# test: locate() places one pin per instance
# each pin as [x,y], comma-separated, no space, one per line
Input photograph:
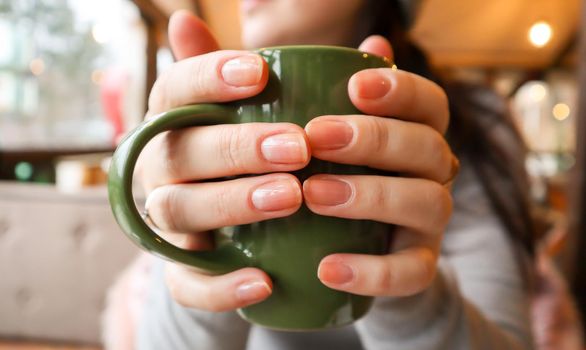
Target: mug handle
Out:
[224,258]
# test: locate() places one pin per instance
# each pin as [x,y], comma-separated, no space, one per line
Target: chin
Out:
[254,37]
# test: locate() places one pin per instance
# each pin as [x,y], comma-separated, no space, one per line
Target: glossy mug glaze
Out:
[304,82]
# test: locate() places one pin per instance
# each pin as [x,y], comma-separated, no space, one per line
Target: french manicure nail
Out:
[253,291]
[373,86]
[277,195]
[242,71]
[335,273]
[329,134]
[327,191]
[284,148]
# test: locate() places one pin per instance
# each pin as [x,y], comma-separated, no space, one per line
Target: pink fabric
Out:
[124,304]
[556,324]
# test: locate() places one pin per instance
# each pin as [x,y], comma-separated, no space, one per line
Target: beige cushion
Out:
[58,255]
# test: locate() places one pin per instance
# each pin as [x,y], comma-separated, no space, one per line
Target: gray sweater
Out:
[479,300]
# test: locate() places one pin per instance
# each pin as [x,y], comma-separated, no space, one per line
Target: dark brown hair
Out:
[481,131]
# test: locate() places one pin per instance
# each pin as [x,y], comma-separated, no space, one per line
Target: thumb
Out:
[377,45]
[190,36]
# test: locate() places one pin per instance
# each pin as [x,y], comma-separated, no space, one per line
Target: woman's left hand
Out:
[402,132]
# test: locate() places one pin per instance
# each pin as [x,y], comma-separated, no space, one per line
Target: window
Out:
[71,74]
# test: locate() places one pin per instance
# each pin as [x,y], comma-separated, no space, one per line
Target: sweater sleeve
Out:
[167,325]
[479,298]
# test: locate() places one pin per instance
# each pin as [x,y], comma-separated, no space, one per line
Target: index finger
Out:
[218,76]
[400,94]
[189,36]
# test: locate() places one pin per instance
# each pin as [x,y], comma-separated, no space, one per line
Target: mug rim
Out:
[321,48]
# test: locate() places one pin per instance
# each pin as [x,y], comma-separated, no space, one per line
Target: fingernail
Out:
[335,273]
[250,292]
[242,71]
[329,134]
[277,195]
[372,85]
[327,191]
[284,148]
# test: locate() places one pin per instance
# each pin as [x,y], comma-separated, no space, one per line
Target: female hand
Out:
[178,157]
[171,164]
[402,131]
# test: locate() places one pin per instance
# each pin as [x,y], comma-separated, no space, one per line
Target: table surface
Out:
[21,345]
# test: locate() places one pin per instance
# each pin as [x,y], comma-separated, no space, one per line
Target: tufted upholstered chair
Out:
[58,255]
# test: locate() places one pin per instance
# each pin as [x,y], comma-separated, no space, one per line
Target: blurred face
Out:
[290,22]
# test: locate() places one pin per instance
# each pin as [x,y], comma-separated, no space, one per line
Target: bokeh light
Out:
[540,34]
[23,171]
[561,111]
[37,66]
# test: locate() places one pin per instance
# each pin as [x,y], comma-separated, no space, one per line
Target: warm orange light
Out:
[561,111]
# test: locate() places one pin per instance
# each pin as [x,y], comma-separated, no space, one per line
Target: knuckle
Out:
[232,146]
[169,146]
[385,280]
[223,204]
[438,148]
[422,272]
[427,268]
[436,141]
[380,196]
[378,134]
[167,215]
[440,201]
[201,84]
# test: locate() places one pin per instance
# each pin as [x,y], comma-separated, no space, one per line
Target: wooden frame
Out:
[156,22]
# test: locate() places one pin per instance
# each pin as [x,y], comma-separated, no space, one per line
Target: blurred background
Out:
[74,77]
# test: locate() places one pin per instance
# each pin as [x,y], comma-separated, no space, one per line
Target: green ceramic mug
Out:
[304,82]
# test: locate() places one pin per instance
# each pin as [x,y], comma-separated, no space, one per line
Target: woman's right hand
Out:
[173,163]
